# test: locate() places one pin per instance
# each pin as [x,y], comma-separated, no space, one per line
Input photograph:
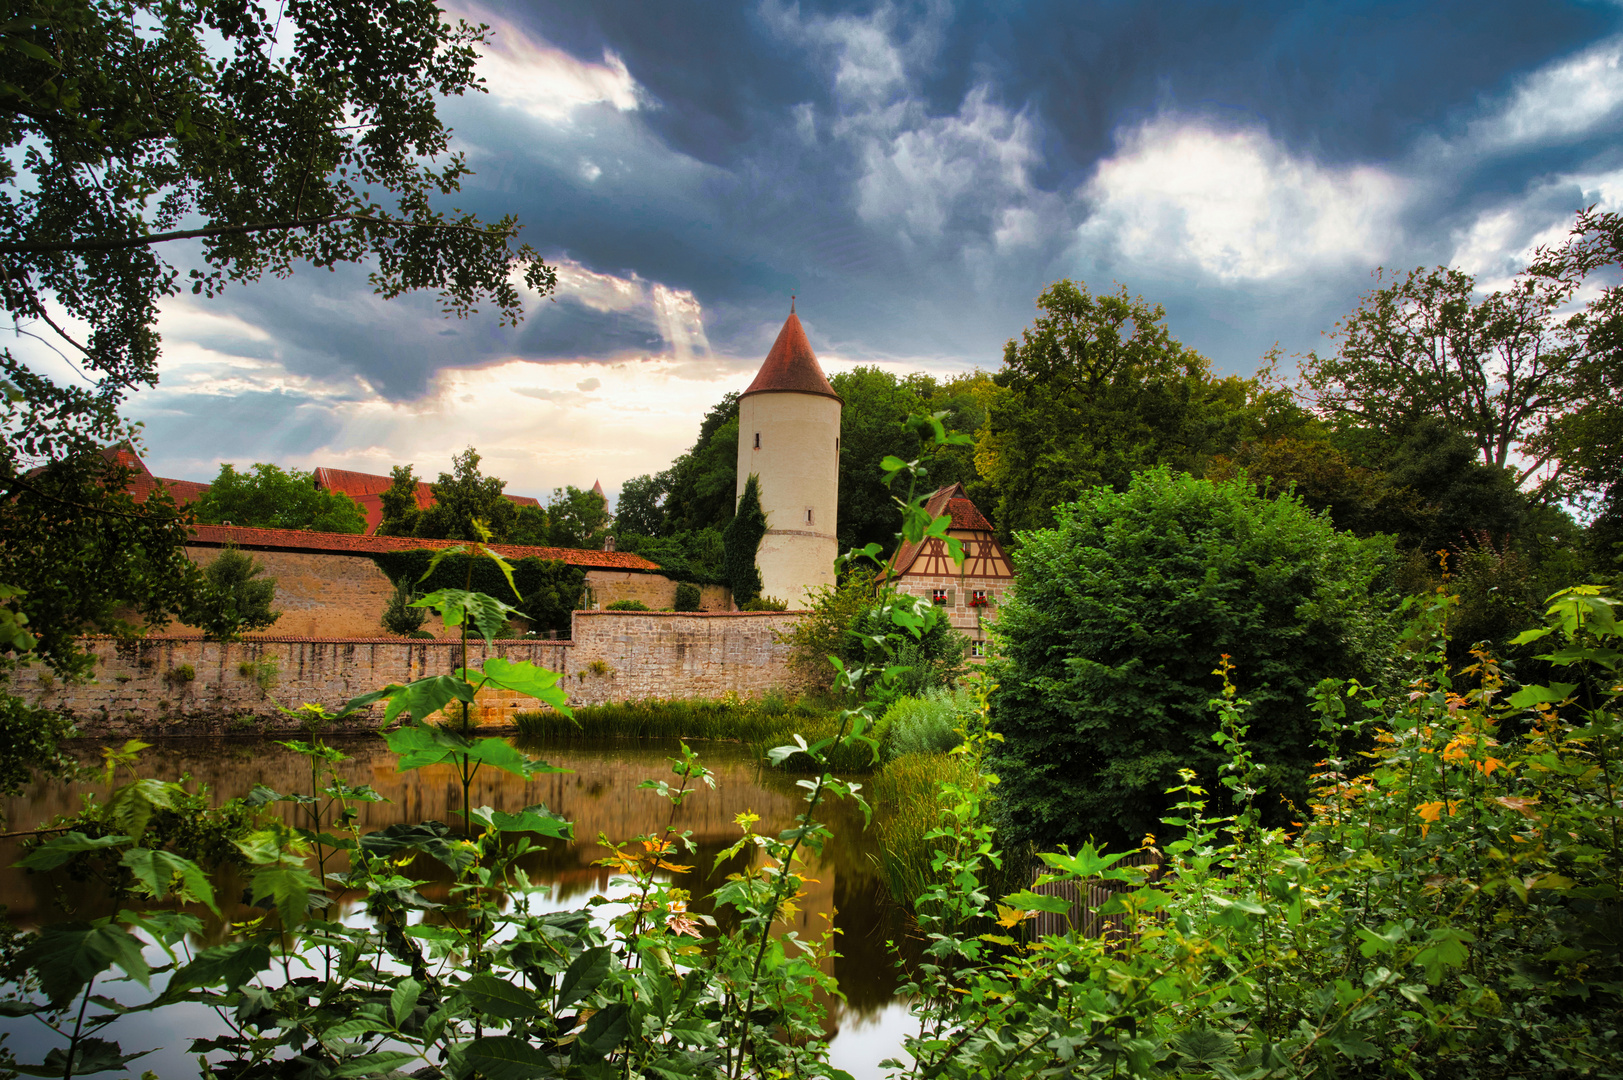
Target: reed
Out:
[771,719]
[907,807]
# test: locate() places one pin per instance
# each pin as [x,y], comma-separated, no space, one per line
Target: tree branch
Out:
[124,243]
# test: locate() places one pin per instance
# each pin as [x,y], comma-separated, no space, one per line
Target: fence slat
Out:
[1086,898]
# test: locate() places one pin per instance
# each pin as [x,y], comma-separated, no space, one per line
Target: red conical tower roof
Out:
[791,365]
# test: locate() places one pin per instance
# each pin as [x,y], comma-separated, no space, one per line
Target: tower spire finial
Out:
[791,303]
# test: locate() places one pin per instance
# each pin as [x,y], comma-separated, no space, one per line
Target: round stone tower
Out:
[789,436]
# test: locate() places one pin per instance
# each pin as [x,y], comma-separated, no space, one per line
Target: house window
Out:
[977,598]
[977,649]
[757,440]
[938,596]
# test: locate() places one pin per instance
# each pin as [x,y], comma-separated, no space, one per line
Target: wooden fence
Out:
[1086,898]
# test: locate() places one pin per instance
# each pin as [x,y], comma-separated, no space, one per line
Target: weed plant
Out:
[928,724]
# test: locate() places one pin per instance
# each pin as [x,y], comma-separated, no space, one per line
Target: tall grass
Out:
[771,719]
[906,808]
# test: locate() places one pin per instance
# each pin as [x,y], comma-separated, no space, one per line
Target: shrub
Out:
[927,724]
[1110,640]
[765,603]
[742,539]
[628,605]
[180,675]
[399,617]
[687,597]
[934,660]
[232,598]
[821,634]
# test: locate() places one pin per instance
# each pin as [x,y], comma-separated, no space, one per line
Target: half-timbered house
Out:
[971,592]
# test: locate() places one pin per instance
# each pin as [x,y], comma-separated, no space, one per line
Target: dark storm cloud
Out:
[918,173]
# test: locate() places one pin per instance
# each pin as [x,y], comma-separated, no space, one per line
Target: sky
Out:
[916,174]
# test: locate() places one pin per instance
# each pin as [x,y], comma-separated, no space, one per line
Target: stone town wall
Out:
[187,686]
[328,595]
[655,590]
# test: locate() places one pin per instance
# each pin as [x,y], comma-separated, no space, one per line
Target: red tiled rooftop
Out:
[952,501]
[351,544]
[367,490]
[965,515]
[791,365]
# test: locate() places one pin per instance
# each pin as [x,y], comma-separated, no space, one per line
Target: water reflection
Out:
[600,795]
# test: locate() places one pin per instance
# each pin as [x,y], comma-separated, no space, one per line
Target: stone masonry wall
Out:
[187,686]
[330,596]
[655,590]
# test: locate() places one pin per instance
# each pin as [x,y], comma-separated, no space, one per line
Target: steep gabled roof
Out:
[952,501]
[791,366]
[352,544]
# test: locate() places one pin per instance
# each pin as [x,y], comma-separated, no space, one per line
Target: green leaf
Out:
[1089,862]
[606,1030]
[375,1063]
[89,1055]
[157,870]
[536,819]
[404,999]
[53,853]
[224,965]
[487,613]
[504,1057]
[132,805]
[522,677]
[288,888]
[1528,696]
[423,698]
[1446,947]
[583,976]
[497,997]
[432,838]
[1031,901]
[66,956]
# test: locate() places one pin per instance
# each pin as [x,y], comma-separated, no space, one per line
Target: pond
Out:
[599,795]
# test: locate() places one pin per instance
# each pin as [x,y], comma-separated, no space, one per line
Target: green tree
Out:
[702,484]
[872,426]
[1097,389]
[1500,369]
[1122,612]
[743,539]
[400,510]
[577,519]
[464,495]
[235,598]
[399,616]
[640,507]
[269,498]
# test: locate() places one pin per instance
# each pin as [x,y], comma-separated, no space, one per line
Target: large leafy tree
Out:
[872,427]
[577,518]
[1124,609]
[701,486]
[1096,389]
[268,497]
[1499,368]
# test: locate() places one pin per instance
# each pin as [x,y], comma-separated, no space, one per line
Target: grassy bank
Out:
[769,720]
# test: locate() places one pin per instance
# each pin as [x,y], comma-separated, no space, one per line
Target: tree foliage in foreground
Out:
[1108,645]
[270,498]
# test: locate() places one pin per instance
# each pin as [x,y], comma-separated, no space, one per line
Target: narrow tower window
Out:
[757,440]
[808,515]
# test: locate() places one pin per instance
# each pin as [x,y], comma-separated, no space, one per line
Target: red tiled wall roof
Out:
[351,544]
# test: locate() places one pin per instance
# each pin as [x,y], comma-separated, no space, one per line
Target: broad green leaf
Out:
[522,677]
[132,805]
[1555,693]
[1031,901]
[404,999]
[425,697]
[157,870]
[1089,862]
[497,997]
[89,1055]
[583,976]
[54,852]
[455,606]
[606,1030]
[536,819]
[224,965]
[376,1063]
[504,1057]
[288,888]
[432,838]
[66,956]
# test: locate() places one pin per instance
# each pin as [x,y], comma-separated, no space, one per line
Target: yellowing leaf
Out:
[1009,918]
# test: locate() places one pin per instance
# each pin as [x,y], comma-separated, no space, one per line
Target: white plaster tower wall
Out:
[789,436]
[799,466]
